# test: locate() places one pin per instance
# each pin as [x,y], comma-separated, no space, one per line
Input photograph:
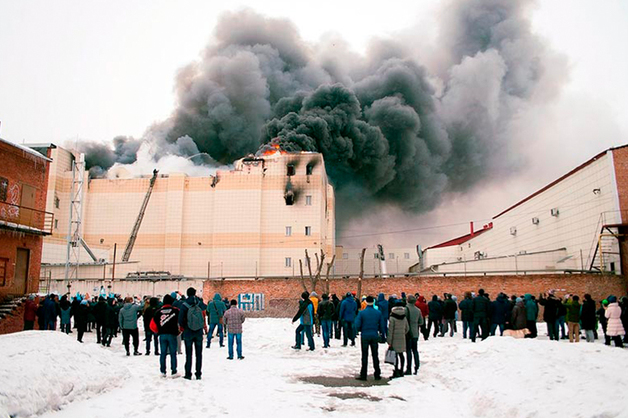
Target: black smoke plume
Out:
[391,132]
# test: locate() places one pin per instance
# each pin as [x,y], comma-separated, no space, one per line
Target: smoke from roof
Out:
[391,132]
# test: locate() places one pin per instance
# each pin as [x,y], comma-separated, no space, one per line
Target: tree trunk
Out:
[361,276]
[329,266]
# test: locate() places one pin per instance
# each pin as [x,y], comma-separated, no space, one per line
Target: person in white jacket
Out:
[614,329]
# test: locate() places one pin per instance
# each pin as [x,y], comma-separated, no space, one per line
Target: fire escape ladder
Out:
[138,221]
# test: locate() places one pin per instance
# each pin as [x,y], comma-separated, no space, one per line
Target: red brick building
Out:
[23,220]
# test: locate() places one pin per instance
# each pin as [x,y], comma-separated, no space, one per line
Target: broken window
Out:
[308,230]
[309,170]
[308,200]
[289,196]
[291,169]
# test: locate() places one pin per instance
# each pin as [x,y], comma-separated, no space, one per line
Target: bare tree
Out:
[314,278]
[329,266]
[302,278]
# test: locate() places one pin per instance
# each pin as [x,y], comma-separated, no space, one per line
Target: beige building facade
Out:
[252,221]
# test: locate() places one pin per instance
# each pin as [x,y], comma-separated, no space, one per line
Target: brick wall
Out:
[281,295]
[20,167]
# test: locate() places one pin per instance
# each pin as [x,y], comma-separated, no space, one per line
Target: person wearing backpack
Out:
[192,322]
[215,311]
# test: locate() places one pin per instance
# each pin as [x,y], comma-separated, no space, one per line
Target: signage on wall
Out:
[251,301]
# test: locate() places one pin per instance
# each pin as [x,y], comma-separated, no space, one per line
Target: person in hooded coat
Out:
[347,314]
[370,325]
[421,303]
[127,318]
[450,308]
[499,309]
[614,328]
[532,312]
[588,318]
[601,315]
[325,313]
[397,330]
[481,308]
[573,318]
[215,312]
[519,317]
[30,313]
[111,322]
[382,306]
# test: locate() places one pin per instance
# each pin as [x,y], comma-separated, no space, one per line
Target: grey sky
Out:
[94,70]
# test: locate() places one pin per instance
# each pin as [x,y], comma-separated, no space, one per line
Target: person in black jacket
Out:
[149,335]
[450,307]
[81,318]
[325,313]
[435,316]
[466,310]
[481,308]
[99,315]
[550,313]
[601,315]
[335,324]
[587,318]
[110,322]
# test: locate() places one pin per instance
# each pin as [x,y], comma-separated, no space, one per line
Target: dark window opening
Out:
[3,271]
[309,170]
[291,170]
[4,186]
[289,196]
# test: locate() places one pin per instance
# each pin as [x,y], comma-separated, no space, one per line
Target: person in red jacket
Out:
[165,323]
[30,313]
[421,303]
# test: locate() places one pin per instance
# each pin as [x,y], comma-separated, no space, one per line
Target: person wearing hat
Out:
[550,313]
[615,329]
[348,311]
[305,315]
[370,325]
[317,324]
[415,321]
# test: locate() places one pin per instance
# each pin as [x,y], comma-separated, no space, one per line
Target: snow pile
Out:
[43,371]
[501,377]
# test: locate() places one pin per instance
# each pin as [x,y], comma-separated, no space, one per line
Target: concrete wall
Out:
[576,228]
[125,287]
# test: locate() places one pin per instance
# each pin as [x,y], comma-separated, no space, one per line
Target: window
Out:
[375,256]
[288,231]
[4,186]
[345,256]
[3,271]
[288,261]
[308,200]
[57,202]
[308,230]
[290,170]
[56,224]
[391,256]
[406,256]
[309,169]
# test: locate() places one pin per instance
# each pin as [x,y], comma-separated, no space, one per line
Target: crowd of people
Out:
[169,323]
[400,320]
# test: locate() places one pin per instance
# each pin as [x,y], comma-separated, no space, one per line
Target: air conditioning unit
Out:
[535,221]
[513,230]
[554,212]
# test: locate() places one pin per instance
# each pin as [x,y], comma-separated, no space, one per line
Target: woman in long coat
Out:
[396,338]
[614,328]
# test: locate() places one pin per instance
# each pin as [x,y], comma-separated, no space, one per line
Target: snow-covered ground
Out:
[499,377]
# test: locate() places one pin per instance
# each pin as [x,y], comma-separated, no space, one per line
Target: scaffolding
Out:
[74,238]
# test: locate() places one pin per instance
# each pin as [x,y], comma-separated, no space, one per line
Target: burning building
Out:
[254,220]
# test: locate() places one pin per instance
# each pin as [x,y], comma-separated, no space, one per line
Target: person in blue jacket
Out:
[370,325]
[348,310]
[499,311]
[382,304]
